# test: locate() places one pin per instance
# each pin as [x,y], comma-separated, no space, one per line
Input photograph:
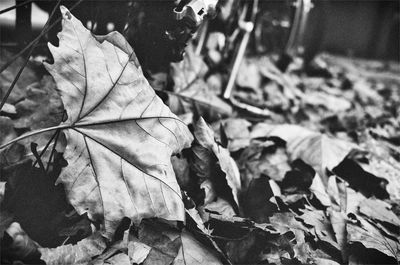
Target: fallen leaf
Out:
[81,253]
[285,222]
[165,242]
[197,98]
[322,228]
[316,149]
[8,110]
[317,187]
[353,200]
[247,248]
[379,210]
[192,93]
[371,238]
[339,221]
[120,135]
[330,102]
[138,251]
[119,259]
[249,75]
[193,252]
[188,70]
[237,133]
[222,207]
[205,138]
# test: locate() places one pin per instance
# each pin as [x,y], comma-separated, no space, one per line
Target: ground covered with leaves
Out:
[128,174]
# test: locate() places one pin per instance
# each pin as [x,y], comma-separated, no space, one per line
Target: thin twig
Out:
[15,6]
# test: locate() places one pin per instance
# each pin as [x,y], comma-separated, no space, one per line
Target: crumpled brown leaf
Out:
[207,146]
[321,227]
[120,135]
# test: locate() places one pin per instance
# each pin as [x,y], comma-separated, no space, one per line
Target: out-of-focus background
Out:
[362,28]
[359,28]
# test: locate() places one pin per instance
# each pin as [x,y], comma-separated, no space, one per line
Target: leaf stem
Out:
[77,125]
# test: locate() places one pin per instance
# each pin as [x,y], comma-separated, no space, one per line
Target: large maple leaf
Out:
[120,134]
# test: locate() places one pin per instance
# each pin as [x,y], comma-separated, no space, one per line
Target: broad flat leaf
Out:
[120,135]
[316,149]
[379,210]
[81,253]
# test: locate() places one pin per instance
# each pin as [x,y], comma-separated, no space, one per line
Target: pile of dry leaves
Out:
[192,180]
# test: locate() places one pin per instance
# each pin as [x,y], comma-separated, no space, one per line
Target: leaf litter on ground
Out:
[315,183]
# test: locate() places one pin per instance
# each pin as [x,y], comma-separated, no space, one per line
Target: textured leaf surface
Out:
[205,137]
[81,253]
[120,135]
[193,252]
[372,238]
[316,149]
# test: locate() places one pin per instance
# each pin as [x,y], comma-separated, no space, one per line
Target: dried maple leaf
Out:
[120,135]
